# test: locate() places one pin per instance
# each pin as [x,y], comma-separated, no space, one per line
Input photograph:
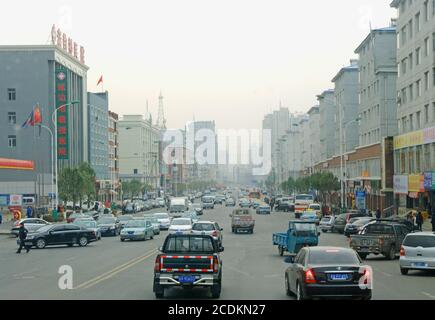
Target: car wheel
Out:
[299,293]
[41,243]
[160,293]
[391,253]
[70,245]
[216,291]
[363,256]
[83,242]
[404,271]
[288,292]
[122,239]
[324,231]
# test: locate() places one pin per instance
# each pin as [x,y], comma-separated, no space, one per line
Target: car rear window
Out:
[203,227]
[379,229]
[189,244]
[333,257]
[415,241]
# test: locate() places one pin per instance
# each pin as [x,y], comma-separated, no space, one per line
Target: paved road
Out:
[109,269]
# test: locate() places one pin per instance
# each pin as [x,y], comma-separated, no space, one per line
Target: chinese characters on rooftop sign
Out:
[60,39]
[62,114]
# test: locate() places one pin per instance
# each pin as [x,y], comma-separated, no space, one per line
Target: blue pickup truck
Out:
[299,234]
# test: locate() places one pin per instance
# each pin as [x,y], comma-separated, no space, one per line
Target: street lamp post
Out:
[54,119]
[344,174]
[52,162]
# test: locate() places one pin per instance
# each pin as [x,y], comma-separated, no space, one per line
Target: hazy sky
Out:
[227,60]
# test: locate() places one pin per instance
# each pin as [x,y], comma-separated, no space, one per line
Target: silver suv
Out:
[418,252]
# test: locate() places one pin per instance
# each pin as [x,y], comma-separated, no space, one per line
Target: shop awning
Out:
[14,164]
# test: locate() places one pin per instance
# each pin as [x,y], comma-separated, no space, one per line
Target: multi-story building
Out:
[414,148]
[113,156]
[51,76]
[346,100]
[139,150]
[327,110]
[314,136]
[98,117]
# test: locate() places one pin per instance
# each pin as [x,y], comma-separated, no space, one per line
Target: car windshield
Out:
[305,229]
[44,228]
[333,257]
[315,207]
[203,227]
[361,222]
[196,205]
[87,224]
[107,221]
[189,244]
[161,216]
[353,220]
[378,229]
[304,197]
[125,218]
[415,241]
[135,224]
[181,222]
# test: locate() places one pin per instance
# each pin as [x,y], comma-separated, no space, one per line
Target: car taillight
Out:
[157,265]
[309,277]
[215,264]
[402,251]
[381,242]
[214,234]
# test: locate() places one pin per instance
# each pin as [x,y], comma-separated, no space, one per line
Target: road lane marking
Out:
[115,270]
[428,295]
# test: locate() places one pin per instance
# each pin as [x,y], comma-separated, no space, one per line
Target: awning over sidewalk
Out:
[14,164]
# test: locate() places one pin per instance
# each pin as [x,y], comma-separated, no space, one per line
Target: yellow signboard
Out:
[416,183]
[408,140]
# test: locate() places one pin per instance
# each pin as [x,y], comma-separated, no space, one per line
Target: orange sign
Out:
[16,164]
[416,183]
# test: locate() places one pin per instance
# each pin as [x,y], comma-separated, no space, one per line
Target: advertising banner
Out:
[401,185]
[62,114]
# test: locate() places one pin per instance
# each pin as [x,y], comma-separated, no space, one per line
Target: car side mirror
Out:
[222,229]
[221,249]
[161,249]
[289,259]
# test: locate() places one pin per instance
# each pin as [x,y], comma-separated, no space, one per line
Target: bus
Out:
[254,195]
[302,202]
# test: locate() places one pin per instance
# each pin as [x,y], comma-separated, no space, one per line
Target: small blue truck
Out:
[299,234]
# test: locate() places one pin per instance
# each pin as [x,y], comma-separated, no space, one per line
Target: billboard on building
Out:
[400,184]
[62,114]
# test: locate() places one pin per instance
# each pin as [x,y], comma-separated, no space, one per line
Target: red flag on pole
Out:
[100,81]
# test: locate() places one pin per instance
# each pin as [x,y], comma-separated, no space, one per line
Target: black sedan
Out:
[109,226]
[328,272]
[60,234]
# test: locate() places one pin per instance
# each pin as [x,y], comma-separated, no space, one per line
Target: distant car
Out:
[154,222]
[208,202]
[326,223]
[310,216]
[109,226]
[123,220]
[230,202]
[315,207]
[192,215]
[219,199]
[255,205]
[90,224]
[417,252]
[31,225]
[181,226]
[197,207]
[285,204]
[137,230]
[160,202]
[321,272]
[355,225]
[74,216]
[163,219]
[244,203]
[263,209]
[209,228]
[339,223]
[60,234]
[129,208]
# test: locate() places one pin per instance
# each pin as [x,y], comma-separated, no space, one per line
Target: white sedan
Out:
[181,226]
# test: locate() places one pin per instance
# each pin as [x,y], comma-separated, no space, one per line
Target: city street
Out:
[252,268]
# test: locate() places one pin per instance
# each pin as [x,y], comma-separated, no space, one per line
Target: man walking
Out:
[272,204]
[22,235]
[419,221]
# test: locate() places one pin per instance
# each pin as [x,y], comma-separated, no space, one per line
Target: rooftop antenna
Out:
[161,121]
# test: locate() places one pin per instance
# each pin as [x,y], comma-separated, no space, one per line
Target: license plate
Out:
[131,232]
[364,250]
[339,276]
[186,279]
[419,264]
